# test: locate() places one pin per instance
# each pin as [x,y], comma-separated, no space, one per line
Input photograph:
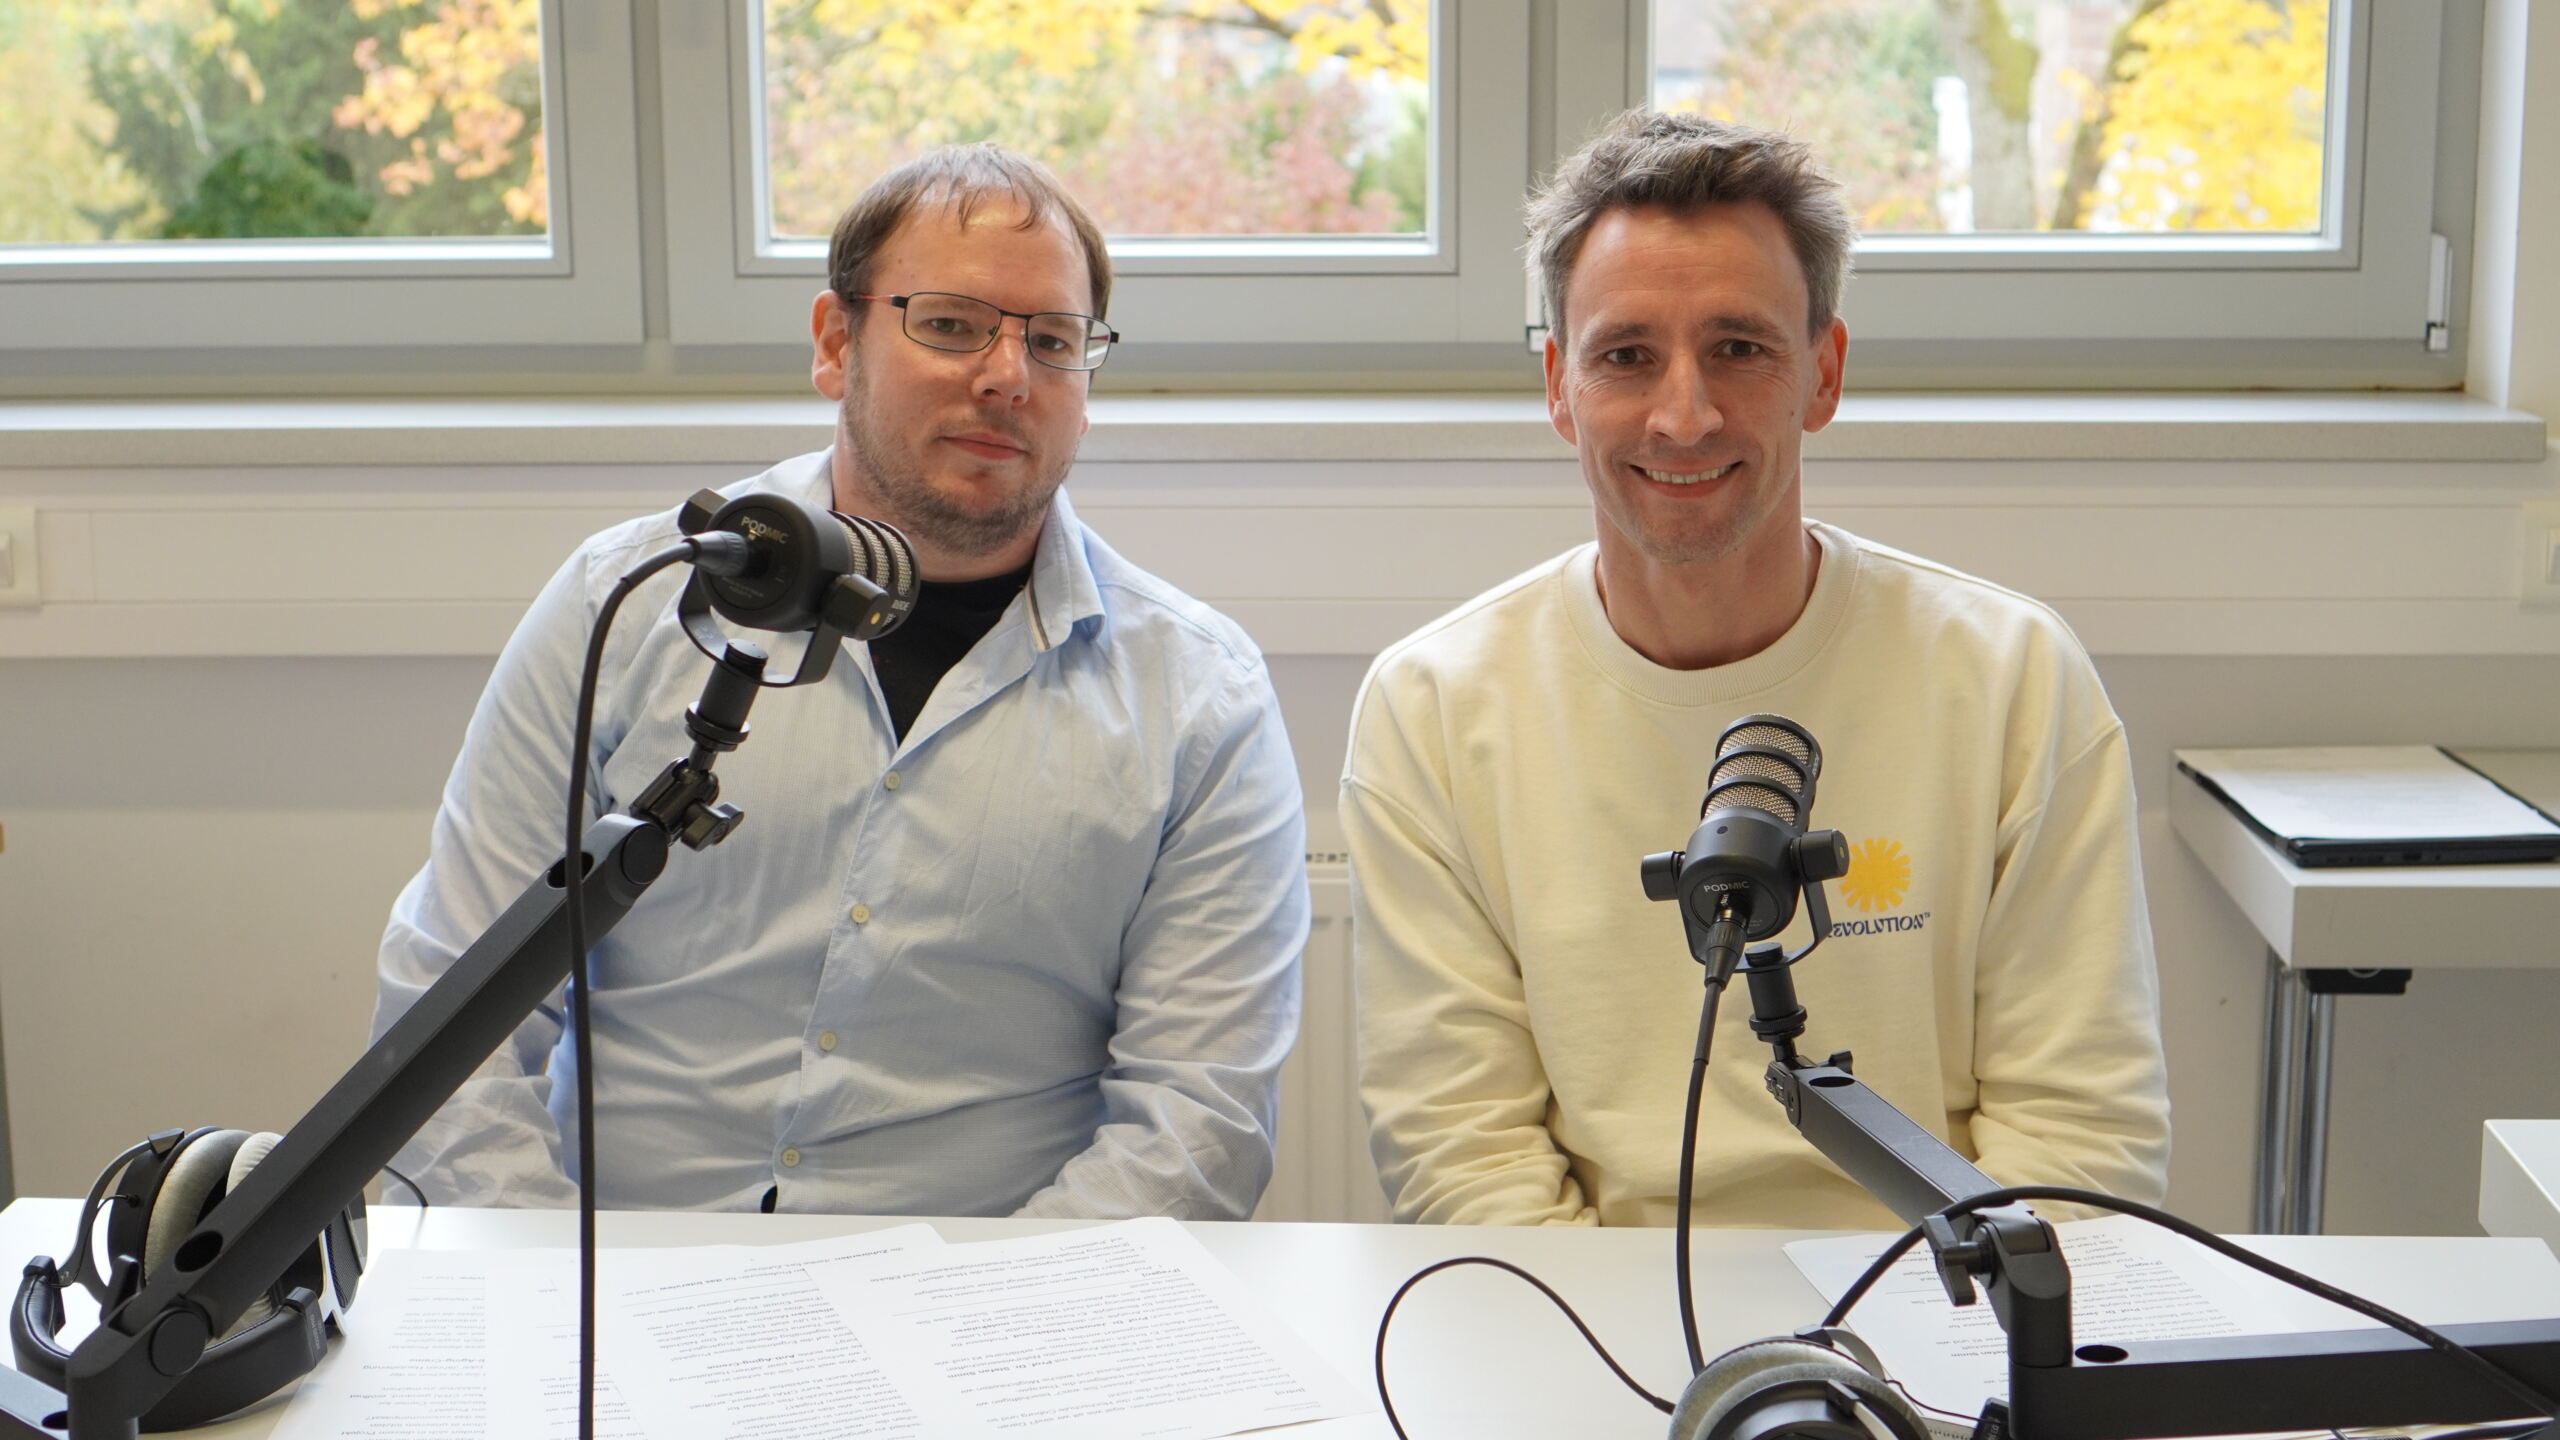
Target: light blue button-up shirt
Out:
[1040,957]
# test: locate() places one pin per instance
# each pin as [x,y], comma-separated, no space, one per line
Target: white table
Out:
[1473,1352]
[2359,930]
[2520,1179]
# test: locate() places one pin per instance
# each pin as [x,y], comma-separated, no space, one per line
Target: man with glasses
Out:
[1013,923]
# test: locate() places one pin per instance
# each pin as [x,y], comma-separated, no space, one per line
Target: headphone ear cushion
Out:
[1739,1376]
[192,1186]
[128,1215]
[252,1150]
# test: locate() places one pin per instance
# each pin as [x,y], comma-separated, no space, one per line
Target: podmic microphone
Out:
[1751,856]
[799,568]
[795,554]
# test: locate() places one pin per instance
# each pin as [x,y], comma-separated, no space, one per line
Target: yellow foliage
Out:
[454,64]
[55,186]
[1057,38]
[2218,119]
[851,83]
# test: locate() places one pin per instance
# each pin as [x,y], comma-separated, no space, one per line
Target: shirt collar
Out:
[1063,590]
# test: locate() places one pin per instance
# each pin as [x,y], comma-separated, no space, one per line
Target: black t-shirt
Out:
[950,616]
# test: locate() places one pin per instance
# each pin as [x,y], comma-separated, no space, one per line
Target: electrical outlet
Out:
[18,588]
[2539,569]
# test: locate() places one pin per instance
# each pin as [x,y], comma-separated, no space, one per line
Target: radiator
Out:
[1323,1171]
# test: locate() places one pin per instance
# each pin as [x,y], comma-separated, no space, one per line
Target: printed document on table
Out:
[2366,792]
[736,1342]
[2131,1280]
[1118,1332]
[457,1345]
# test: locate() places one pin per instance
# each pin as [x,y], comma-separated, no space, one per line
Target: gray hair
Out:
[1647,159]
[960,176]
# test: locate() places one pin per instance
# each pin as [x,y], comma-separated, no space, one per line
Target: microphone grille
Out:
[1759,765]
[1777,734]
[885,559]
[1757,793]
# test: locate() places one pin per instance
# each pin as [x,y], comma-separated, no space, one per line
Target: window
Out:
[2178,192]
[142,124]
[280,173]
[2170,193]
[1284,180]
[1247,122]
[2062,117]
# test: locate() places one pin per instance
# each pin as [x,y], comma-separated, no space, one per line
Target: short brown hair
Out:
[961,176]
[1647,159]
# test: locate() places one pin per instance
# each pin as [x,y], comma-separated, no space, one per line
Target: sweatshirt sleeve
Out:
[2072,1088]
[1457,1097]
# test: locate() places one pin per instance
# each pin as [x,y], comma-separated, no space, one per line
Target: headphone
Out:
[162,1188]
[1822,1384]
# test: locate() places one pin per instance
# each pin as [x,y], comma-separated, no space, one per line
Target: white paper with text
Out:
[1120,1332]
[457,1345]
[735,1342]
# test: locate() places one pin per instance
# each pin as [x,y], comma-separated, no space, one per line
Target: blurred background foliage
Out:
[228,119]
[1167,117]
[212,119]
[2024,115]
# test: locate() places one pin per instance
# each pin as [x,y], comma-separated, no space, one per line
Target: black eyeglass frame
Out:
[1110,337]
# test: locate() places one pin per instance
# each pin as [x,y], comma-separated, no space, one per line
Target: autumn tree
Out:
[2217,118]
[59,186]
[1166,116]
[461,94]
[1851,78]
[1998,67]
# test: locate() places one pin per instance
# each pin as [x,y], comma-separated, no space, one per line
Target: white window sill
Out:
[586,430]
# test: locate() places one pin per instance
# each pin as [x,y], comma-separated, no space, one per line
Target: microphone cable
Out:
[573,875]
[1729,930]
[1378,1359]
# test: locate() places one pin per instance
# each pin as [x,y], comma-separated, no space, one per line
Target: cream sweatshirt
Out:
[1527,1016]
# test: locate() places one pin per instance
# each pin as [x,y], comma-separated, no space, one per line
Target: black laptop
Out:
[2531,776]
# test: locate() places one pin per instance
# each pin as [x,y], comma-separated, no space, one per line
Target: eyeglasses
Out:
[1058,339]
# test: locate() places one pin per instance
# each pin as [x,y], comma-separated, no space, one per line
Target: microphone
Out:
[784,578]
[1750,857]
[770,562]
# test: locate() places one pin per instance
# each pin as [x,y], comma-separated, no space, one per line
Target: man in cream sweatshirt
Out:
[1527,1017]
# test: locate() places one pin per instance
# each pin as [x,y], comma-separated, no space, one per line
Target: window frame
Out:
[578,285]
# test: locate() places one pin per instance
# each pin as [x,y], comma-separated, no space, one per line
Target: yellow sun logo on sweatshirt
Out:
[1879,875]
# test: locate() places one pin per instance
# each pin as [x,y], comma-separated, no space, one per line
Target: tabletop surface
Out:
[1473,1352]
[2520,1178]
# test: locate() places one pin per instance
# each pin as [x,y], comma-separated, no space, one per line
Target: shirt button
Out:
[790,1157]
[890,779]
[827,1041]
[861,914]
